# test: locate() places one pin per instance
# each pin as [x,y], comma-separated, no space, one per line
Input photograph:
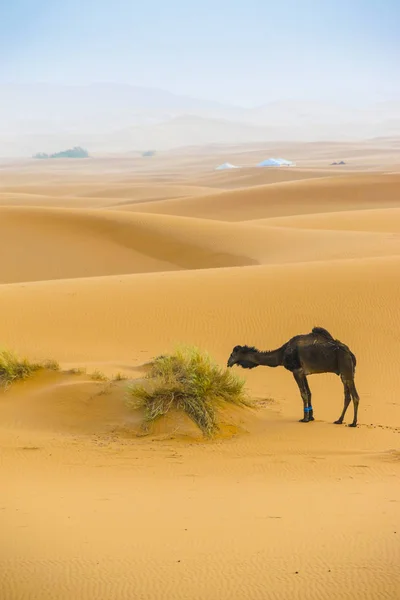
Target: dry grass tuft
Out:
[187,380]
[77,371]
[98,376]
[120,377]
[51,365]
[13,368]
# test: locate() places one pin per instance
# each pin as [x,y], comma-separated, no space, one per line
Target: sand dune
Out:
[148,192]
[44,244]
[191,304]
[90,195]
[271,508]
[50,188]
[42,200]
[246,177]
[103,198]
[63,243]
[351,192]
[384,220]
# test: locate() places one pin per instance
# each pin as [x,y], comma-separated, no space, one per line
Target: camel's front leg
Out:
[305,392]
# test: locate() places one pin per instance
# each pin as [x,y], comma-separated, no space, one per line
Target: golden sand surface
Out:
[107,263]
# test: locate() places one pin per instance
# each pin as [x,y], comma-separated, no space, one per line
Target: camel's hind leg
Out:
[347,399]
[350,392]
[305,392]
[356,400]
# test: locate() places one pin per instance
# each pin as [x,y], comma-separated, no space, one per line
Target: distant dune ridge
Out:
[120,118]
[113,261]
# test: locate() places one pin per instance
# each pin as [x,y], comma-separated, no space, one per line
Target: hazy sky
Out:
[242,52]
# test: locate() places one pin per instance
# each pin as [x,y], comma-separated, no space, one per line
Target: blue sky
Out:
[242,52]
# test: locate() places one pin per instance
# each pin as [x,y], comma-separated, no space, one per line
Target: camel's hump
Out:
[323,332]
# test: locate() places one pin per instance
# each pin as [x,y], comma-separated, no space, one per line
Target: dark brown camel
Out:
[315,352]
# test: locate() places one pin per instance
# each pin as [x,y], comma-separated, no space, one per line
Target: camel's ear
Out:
[237,348]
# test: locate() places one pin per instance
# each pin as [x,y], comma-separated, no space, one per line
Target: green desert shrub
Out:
[75,152]
[187,380]
[13,368]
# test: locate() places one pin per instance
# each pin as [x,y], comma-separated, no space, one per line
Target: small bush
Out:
[12,368]
[98,376]
[77,371]
[51,365]
[75,152]
[119,377]
[187,380]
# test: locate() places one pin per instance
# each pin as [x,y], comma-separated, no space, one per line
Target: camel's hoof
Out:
[338,422]
[352,425]
[311,419]
[304,421]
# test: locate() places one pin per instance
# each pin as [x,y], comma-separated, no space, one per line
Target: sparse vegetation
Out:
[75,152]
[190,381]
[119,377]
[77,371]
[98,376]
[51,365]
[13,368]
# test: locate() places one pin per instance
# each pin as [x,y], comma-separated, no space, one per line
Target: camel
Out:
[315,352]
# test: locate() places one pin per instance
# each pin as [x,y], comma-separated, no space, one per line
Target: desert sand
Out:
[108,262]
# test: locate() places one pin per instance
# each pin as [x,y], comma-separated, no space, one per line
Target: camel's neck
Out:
[270,359]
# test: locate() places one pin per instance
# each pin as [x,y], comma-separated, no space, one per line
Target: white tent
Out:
[226,166]
[275,162]
[269,162]
[285,163]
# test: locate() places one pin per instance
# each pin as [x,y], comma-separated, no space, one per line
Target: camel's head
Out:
[242,356]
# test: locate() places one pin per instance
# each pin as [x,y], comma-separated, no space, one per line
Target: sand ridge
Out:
[380,219]
[100,274]
[61,243]
[325,194]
